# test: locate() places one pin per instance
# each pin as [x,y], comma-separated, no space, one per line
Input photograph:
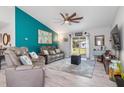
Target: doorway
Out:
[80,45]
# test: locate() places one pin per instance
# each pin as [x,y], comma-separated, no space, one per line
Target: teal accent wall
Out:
[27,27]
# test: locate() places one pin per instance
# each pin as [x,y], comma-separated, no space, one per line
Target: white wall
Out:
[120,21]
[99,31]
[65,46]
[7,22]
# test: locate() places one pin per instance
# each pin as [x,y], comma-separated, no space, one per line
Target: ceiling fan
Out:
[68,19]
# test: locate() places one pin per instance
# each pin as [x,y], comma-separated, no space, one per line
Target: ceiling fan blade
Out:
[74,21]
[79,18]
[63,16]
[74,14]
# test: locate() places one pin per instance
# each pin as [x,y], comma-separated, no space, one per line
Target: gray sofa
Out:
[18,75]
[49,58]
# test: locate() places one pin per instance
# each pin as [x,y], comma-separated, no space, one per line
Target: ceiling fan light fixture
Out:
[66,22]
[68,19]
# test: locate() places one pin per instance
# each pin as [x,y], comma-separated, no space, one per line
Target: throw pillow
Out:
[54,52]
[33,55]
[14,58]
[45,52]
[25,60]
[57,51]
[51,52]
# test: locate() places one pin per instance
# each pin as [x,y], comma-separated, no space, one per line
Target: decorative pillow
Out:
[25,60]
[33,55]
[20,51]
[51,52]
[57,51]
[54,52]
[14,58]
[45,52]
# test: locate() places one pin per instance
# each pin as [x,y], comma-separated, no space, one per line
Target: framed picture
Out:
[79,34]
[99,40]
[44,37]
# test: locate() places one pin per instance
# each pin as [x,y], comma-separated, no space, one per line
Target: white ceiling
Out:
[94,16]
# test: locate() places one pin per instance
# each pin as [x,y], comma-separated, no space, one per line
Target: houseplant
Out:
[114,69]
[120,78]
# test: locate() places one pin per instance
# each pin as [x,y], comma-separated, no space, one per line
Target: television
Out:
[115,38]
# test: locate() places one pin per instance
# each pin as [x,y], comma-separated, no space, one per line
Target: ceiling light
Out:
[66,22]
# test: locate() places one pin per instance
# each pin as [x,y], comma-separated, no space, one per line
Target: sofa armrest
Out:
[25,78]
[24,67]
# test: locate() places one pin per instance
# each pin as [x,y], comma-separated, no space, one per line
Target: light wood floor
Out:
[62,79]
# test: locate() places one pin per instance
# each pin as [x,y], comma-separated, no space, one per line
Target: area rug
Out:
[86,68]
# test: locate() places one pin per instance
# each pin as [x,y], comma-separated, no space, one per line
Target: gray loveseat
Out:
[18,75]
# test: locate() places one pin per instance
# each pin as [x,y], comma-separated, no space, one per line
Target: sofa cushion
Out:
[15,59]
[45,52]
[52,52]
[20,51]
[25,60]
[58,51]
[53,56]
[57,55]
[16,50]
[61,54]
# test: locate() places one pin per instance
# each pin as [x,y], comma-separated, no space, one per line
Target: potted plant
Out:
[120,78]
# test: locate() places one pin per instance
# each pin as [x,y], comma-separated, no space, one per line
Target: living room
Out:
[71,43]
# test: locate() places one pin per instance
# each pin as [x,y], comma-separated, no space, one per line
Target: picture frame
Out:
[99,40]
[44,37]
